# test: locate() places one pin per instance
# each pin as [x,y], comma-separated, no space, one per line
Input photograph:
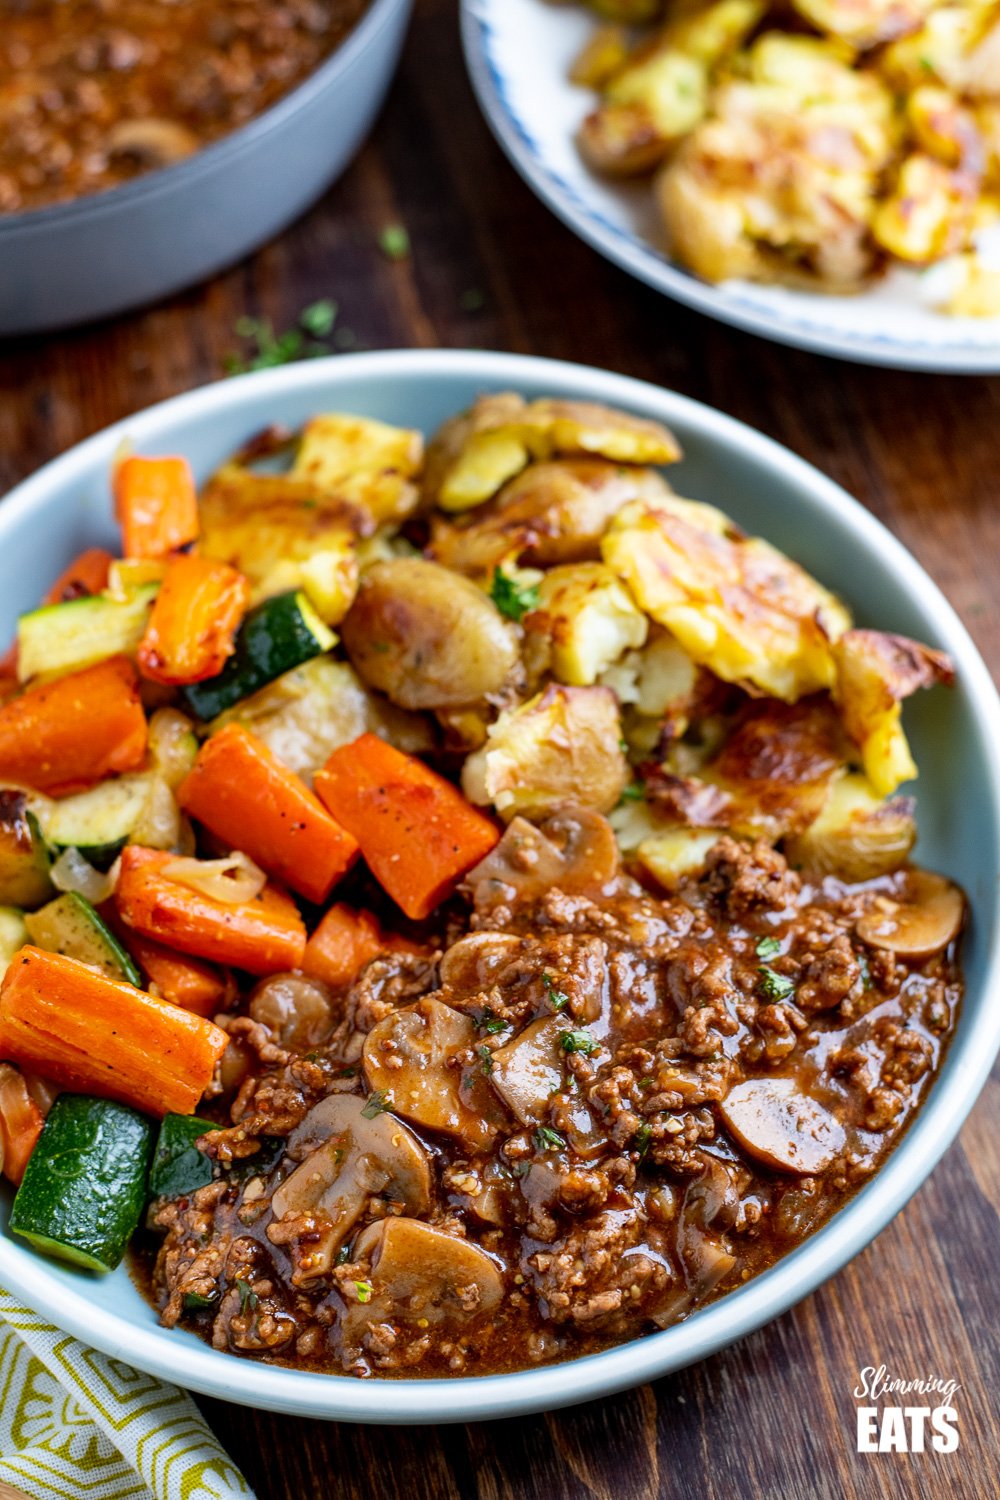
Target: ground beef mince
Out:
[95,92]
[584,1113]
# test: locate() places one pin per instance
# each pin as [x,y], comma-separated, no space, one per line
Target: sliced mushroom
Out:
[152,142]
[296,1009]
[528,1070]
[574,849]
[925,921]
[422,1275]
[477,961]
[412,1057]
[361,1155]
[782,1126]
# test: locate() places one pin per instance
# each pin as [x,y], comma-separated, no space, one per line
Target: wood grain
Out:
[773,1417]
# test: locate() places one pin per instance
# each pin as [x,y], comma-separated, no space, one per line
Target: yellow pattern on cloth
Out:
[77,1425]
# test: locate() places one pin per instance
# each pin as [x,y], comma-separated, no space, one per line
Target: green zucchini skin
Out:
[98,822]
[277,635]
[65,637]
[24,859]
[84,1189]
[179,1168]
[70,925]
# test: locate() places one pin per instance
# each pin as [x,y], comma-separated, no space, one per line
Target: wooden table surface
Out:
[774,1416]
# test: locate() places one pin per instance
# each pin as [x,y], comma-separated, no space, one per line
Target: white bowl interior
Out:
[955,735]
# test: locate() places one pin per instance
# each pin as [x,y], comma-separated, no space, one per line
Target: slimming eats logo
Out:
[930,1426]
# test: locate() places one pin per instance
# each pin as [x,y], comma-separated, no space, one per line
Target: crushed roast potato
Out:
[530,602]
[816,144]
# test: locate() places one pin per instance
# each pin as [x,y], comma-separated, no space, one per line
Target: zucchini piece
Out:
[71,926]
[84,1188]
[13,934]
[178,1166]
[65,637]
[24,859]
[276,636]
[98,822]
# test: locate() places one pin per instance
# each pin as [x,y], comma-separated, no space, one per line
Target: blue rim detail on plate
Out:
[650,265]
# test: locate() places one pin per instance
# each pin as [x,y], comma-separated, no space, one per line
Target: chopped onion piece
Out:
[235,879]
[71,872]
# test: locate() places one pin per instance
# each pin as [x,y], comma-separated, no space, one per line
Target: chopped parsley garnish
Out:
[343,1255]
[641,1139]
[248,1297]
[195,1302]
[512,598]
[377,1103]
[558,1000]
[267,348]
[486,1056]
[490,1023]
[578,1041]
[635,792]
[774,985]
[768,948]
[364,1291]
[394,242]
[866,973]
[547,1139]
[472,300]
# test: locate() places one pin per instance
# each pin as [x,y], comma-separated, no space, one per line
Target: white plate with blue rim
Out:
[519,54]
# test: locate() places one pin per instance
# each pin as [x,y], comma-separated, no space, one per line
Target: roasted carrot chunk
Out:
[263,936]
[417,832]
[194,621]
[189,982]
[75,731]
[157,505]
[87,1032]
[21,1123]
[86,574]
[240,791]
[346,939]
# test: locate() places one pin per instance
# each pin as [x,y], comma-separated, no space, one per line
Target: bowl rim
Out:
[186,1360]
[151,184]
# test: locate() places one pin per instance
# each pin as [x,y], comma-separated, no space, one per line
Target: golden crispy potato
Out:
[735,604]
[780,180]
[473,455]
[945,128]
[857,836]
[865,23]
[561,746]
[604,53]
[283,533]
[648,105]
[550,513]
[936,51]
[357,459]
[306,714]
[427,638]
[585,620]
[875,672]
[710,33]
[675,853]
[930,212]
[976,293]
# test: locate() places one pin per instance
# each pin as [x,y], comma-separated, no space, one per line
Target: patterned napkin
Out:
[76,1425]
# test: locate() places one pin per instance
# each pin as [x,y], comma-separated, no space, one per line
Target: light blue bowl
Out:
[74,262]
[955,737]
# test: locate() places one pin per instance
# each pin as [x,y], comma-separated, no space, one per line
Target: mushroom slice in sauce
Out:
[412,1058]
[152,142]
[423,1275]
[928,918]
[574,849]
[528,1069]
[295,1008]
[358,1156]
[779,1124]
